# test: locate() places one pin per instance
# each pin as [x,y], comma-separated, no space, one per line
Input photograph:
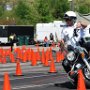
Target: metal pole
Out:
[71,5]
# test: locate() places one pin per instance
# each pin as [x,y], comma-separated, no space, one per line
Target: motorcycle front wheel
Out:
[86,74]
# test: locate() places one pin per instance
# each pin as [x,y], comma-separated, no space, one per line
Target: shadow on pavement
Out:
[67,85]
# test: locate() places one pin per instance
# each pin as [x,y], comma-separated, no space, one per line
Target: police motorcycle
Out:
[77,58]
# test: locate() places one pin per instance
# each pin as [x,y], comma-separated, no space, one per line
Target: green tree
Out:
[59,7]
[82,6]
[33,17]
[44,11]
[1,11]
[83,9]
[34,11]
[22,9]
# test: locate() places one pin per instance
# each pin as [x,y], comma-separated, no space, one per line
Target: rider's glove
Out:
[75,33]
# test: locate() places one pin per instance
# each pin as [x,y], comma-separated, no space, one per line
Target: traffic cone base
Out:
[18,70]
[17,75]
[52,72]
[52,67]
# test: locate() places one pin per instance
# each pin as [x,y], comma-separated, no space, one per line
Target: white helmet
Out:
[70,15]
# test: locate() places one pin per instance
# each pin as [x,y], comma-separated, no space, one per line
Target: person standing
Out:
[51,37]
[46,42]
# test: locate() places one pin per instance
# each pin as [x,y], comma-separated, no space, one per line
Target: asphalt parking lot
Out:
[36,77]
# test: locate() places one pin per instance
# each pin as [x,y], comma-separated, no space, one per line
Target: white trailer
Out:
[44,29]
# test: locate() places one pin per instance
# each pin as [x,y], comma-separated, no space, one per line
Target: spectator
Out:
[46,41]
[11,38]
[51,37]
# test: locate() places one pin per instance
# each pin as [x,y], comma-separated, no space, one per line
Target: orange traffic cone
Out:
[0,59]
[24,57]
[50,48]
[20,54]
[52,67]
[29,54]
[32,54]
[38,54]
[12,58]
[3,53]
[43,56]
[33,61]
[81,83]
[6,84]
[46,63]
[18,69]
[61,56]
[24,47]
[38,49]
[4,60]
[8,51]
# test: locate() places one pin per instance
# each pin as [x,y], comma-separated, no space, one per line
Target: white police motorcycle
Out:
[77,58]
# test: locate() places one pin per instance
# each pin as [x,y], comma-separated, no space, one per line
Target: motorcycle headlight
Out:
[71,56]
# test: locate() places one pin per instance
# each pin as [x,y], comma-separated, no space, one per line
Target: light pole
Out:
[71,5]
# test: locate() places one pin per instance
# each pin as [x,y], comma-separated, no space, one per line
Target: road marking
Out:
[13,64]
[50,78]
[33,86]
[9,65]
[31,77]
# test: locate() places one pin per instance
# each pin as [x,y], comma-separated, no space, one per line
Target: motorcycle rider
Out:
[68,32]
